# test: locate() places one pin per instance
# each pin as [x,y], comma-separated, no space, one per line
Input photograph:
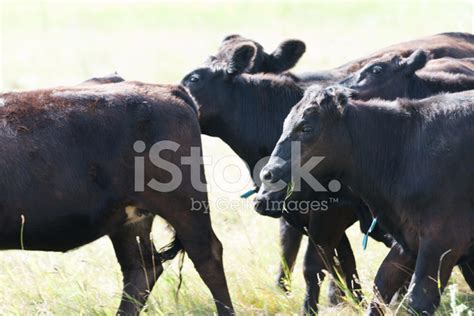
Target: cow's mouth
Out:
[270,203]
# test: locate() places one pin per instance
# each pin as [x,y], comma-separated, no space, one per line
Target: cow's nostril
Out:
[267,175]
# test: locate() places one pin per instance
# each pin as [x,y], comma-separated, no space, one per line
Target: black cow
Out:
[72,170]
[456,45]
[246,111]
[287,54]
[392,76]
[411,162]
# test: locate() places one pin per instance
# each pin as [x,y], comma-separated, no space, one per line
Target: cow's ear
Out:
[286,56]
[242,58]
[337,97]
[414,62]
[231,37]
[341,99]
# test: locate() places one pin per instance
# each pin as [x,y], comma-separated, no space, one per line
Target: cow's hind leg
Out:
[207,259]
[139,261]
[194,232]
[290,240]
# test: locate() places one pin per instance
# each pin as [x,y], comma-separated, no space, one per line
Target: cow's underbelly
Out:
[58,232]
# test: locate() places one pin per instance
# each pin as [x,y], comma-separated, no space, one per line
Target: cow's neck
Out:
[427,85]
[379,137]
[256,124]
[323,78]
[417,88]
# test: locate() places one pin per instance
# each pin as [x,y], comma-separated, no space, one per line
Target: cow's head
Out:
[212,85]
[314,128]
[283,58]
[387,77]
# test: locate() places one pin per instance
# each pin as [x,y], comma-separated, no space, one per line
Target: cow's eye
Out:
[306,129]
[376,70]
[194,78]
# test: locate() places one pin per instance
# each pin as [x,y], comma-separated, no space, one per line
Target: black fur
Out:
[392,76]
[247,111]
[67,170]
[411,162]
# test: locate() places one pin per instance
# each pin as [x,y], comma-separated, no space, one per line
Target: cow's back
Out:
[451,44]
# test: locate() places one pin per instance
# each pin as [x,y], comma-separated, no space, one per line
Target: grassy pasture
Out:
[50,43]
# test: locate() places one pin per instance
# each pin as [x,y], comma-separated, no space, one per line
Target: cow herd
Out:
[394,132]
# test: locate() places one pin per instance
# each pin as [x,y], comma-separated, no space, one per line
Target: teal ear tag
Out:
[248,193]
[366,236]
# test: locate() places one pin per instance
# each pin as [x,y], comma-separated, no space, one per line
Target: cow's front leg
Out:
[434,265]
[467,270]
[393,273]
[140,264]
[348,267]
[318,257]
[290,240]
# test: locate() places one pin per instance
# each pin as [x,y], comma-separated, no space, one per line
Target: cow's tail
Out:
[171,250]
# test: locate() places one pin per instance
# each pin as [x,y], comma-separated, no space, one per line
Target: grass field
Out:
[48,43]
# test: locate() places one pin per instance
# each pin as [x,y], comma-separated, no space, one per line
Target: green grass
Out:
[59,43]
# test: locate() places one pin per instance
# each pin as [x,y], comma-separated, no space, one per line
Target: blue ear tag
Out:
[366,236]
[249,193]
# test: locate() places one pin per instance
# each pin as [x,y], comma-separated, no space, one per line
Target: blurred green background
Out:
[51,43]
[61,42]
